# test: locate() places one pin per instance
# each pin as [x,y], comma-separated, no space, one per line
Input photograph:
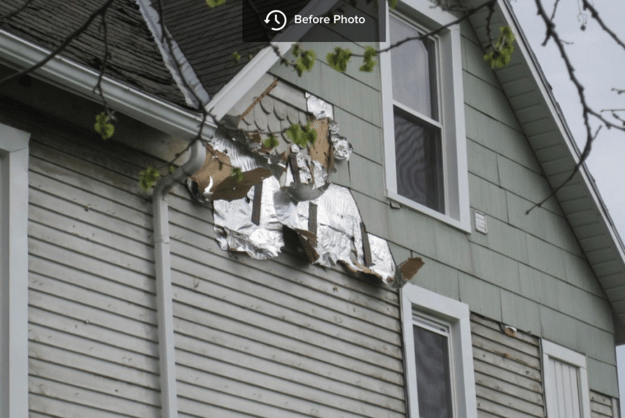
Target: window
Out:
[13,272]
[438,355]
[566,382]
[423,102]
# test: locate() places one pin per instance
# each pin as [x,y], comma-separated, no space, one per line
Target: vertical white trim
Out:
[14,273]
[564,355]
[162,264]
[457,315]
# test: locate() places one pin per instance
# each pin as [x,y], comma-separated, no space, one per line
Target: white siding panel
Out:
[92,329]
[282,337]
[277,338]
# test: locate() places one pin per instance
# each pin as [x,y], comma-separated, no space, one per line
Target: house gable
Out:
[529,271]
[280,337]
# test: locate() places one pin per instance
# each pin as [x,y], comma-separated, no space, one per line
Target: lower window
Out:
[438,355]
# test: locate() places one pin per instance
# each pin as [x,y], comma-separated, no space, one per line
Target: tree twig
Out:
[61,47]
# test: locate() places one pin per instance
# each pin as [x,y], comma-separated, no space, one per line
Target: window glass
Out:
[433,373]
[414,70]
[419,161]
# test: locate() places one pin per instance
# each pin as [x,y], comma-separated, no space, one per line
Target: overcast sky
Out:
[600,65]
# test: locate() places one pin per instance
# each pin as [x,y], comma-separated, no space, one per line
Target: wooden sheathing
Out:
[508,378]
[92,326]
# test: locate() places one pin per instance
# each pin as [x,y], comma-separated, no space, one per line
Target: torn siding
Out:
[508,378]
[252,211]
[279,338]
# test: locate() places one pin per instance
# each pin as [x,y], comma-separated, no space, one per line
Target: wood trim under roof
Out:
[539,114]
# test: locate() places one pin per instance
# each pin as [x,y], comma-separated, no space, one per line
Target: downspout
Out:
[162,260]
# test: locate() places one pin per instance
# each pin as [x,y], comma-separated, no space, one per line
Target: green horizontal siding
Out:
[529,270]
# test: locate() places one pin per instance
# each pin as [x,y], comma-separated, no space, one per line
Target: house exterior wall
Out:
[281,337]
[528,271]
[91,309]
[275,338]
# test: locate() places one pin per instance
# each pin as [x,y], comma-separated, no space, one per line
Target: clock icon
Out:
[276,20]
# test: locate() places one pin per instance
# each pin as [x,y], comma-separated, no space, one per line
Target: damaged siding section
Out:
[277,338]
[288,185]
[508,374]
[602,406]
[508,379]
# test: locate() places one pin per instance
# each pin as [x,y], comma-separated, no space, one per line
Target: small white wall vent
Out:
[480,222]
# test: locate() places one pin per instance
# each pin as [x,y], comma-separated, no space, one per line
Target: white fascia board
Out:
[231,93]
[539,77]
[262,62]
[81,80]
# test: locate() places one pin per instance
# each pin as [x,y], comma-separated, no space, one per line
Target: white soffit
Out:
[537,111]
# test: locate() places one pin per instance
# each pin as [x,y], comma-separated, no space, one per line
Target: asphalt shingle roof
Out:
[135,59]
[208,37]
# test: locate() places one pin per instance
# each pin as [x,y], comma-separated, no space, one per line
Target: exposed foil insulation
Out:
[296,192]
[342,148]
[338,231]
[235,230]
[318,107]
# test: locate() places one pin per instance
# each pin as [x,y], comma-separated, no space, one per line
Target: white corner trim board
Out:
[13,272]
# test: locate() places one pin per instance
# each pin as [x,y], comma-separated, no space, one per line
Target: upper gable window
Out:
[425,147]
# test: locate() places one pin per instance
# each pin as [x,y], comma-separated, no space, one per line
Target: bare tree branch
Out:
[11,15]
[595,15]
[555,8]
[587,111]
[75,34]
[98,87]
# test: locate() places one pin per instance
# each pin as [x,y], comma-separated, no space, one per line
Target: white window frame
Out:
[456,316]
[573,358]
[451,114]
[13,273]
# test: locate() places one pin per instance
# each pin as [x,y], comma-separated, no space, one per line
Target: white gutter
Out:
[162,259]
[81,80]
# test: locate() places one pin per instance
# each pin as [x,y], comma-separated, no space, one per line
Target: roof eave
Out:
[552,141]
[81,80]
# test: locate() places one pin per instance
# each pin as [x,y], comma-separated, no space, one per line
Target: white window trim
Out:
[457,316]
[452,113]
[565,355]
[14,273]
